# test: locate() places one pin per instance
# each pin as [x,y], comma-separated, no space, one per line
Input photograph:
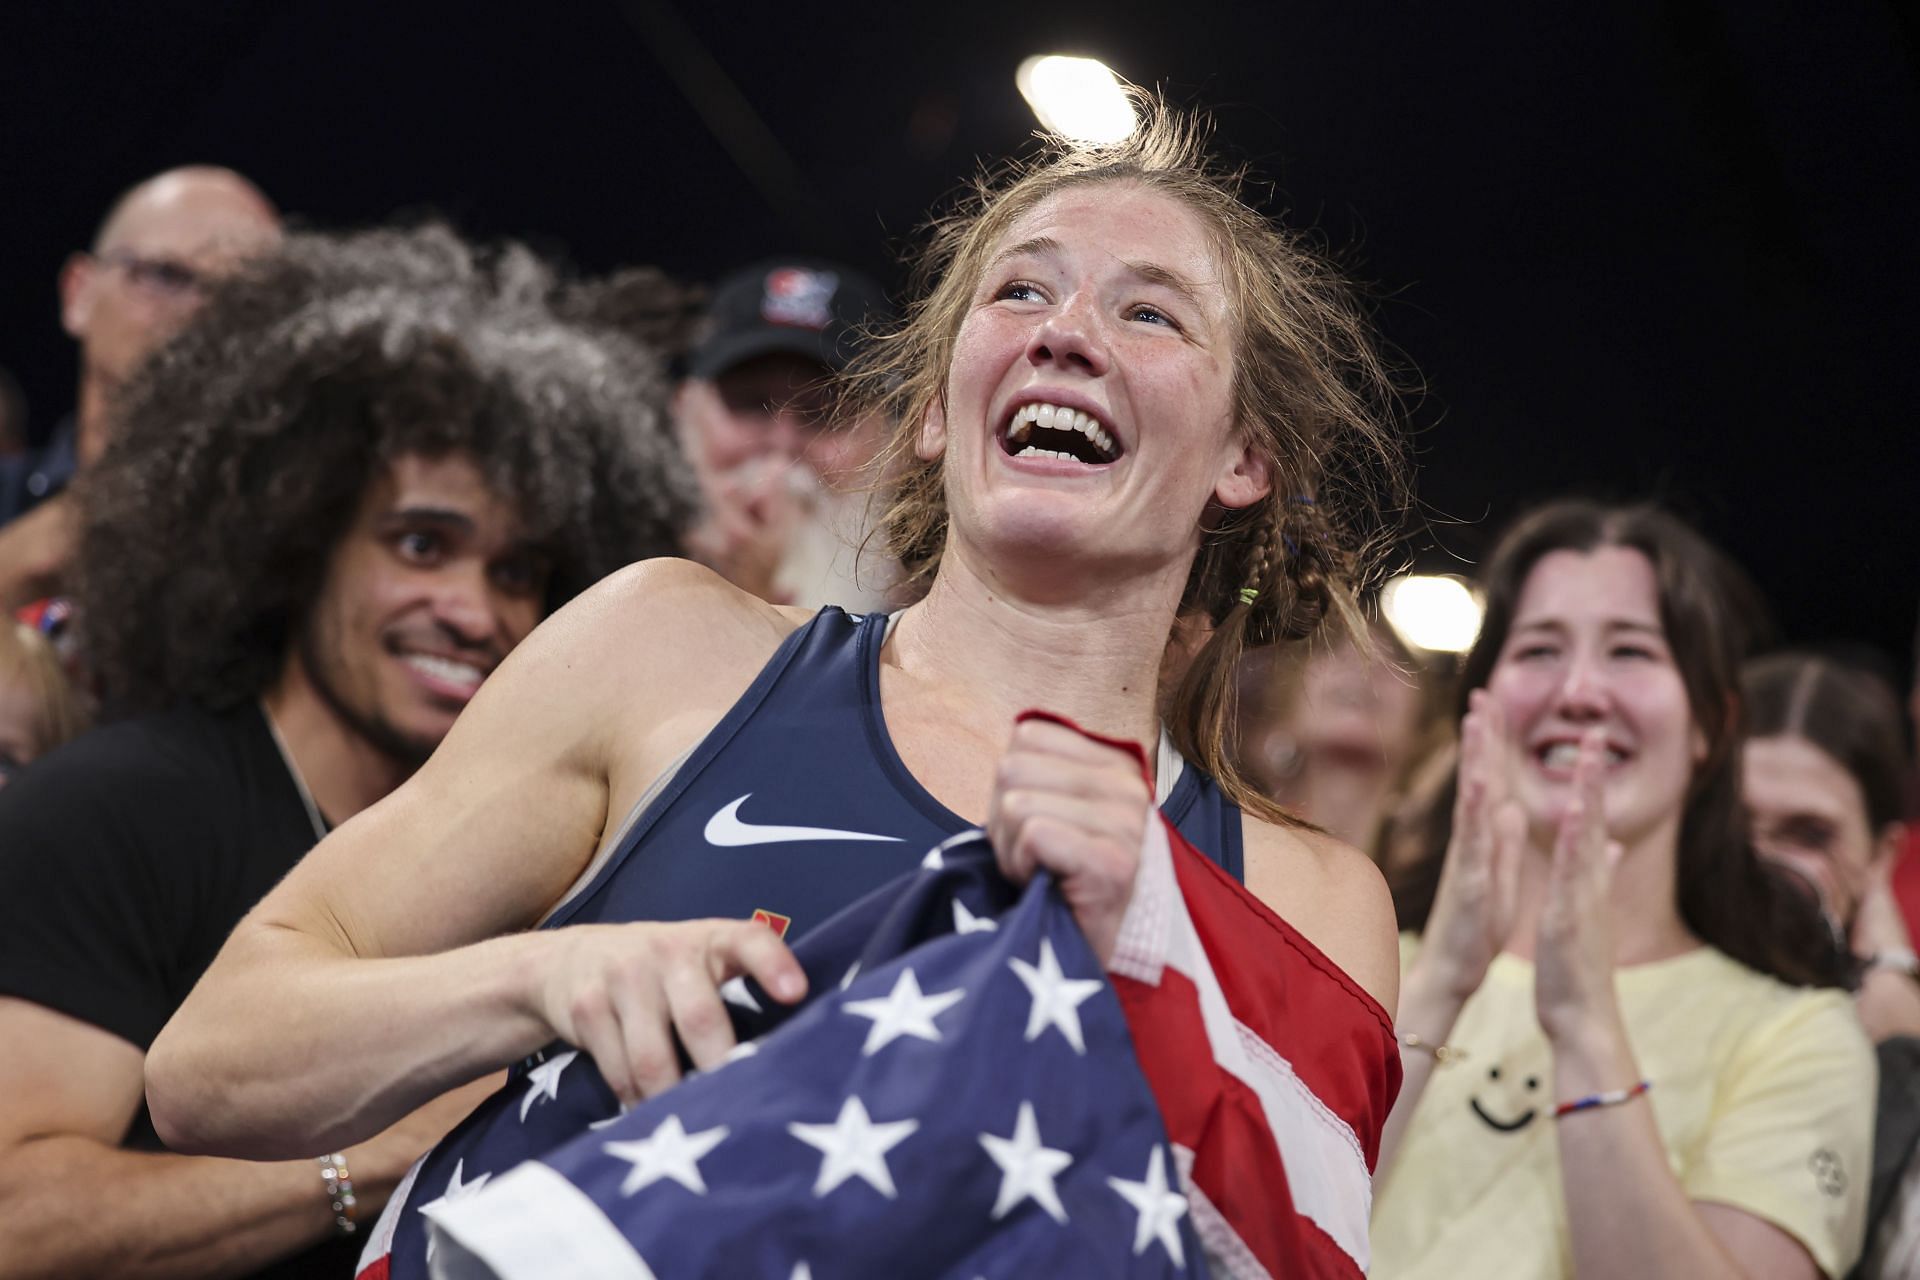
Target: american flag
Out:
[965,1093]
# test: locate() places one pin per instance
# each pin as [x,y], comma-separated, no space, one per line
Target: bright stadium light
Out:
[1077,98]
[1439,615]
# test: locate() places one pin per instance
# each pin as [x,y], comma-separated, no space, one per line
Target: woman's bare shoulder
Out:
[668,615]
[653,655]
[1332,893]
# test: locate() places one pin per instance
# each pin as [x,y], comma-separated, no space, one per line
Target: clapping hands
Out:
[1473,910]
[1477,907]
[1573,952]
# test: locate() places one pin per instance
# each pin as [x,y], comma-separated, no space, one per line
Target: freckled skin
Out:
[1074,323]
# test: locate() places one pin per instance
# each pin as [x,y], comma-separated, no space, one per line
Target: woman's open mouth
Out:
[1054,431]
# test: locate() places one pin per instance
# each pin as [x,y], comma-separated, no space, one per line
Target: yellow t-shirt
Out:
[1762,1092]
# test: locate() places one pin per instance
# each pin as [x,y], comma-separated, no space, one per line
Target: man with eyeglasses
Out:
[160,244]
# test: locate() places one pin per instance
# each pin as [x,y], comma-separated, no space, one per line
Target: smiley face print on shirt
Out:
[1507,1101]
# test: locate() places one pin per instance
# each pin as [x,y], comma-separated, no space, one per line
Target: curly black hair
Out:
[243,449]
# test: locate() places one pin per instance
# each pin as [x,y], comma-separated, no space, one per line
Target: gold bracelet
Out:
[1442,1053]
[339,1184]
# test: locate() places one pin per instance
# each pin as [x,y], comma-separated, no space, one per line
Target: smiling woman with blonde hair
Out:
[1124,399]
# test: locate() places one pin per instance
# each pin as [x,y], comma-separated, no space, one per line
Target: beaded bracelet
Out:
[339,1184]
[1611,1098]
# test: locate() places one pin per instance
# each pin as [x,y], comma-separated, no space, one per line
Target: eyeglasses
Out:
[164,278]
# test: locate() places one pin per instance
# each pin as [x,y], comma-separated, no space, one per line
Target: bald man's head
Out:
[157,249]
[201,201]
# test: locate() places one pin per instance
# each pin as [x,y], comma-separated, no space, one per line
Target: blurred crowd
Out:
[314,488]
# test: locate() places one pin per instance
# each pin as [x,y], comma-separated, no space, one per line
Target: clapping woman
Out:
[1628,1051]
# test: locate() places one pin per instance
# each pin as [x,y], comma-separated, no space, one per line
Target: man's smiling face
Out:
[429,588]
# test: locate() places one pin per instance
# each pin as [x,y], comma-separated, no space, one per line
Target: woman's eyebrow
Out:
[1154,273]
[1037,246]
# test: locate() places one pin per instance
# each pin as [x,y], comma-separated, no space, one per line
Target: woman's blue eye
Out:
[1154,315]
[1018,291]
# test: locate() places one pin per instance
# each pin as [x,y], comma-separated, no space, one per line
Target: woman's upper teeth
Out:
[1564,755]
[1059,418]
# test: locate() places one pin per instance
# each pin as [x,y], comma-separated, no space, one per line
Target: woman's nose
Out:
[1069,338]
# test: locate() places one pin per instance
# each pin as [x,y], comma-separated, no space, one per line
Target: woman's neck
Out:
[988,652]
[1646,923]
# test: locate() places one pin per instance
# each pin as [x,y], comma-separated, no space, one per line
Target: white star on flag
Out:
[1027,1169]
[854,1144]
[936,859]
[1160,1209]
[734,991]
[544,1080]
[801,1271]
[456,1190]
[1056,997]
[964,921]
[669,1152]
[902,1012]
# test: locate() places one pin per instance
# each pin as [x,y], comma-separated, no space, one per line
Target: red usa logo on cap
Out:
[797,296]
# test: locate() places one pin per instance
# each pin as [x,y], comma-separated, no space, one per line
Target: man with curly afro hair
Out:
[334,503]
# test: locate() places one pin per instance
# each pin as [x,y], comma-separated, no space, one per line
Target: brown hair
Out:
[1728,896]
[1849,714]
[1311,390]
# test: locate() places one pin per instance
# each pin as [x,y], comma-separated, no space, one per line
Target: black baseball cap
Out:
[793,306]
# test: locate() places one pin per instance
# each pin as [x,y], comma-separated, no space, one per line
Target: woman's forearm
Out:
[288,1046]
[1626,1212]
[1430,1004]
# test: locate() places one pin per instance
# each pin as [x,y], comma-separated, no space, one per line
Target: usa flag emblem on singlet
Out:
[964,1092]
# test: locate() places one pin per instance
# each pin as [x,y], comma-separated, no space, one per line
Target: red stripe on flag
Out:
[1236,1160]
[1336,1037]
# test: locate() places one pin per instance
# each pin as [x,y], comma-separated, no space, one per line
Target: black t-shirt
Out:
[126,858]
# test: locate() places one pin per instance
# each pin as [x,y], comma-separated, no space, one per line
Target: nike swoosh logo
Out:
[726,830]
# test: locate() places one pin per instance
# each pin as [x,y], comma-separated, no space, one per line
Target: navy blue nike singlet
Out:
[796,804]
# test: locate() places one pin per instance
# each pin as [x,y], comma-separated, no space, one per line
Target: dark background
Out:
[1633,248]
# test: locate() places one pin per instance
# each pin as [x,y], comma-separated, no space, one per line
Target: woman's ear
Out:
[931,443]
[1247,477]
